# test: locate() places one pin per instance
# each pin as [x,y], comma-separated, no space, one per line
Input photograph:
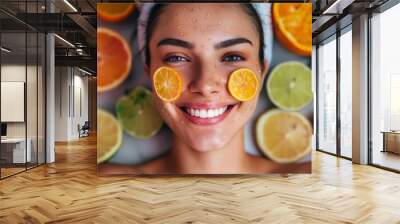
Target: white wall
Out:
[16,73]
[33,126]
[61,103]
[70,83]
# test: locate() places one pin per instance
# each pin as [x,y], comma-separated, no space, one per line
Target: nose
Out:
[207,81]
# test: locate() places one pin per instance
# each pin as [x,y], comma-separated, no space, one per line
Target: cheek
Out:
[247,109]
[164,108]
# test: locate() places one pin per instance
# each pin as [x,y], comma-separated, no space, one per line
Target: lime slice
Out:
[109,136]
[289,86]
[284,136]
[138,114]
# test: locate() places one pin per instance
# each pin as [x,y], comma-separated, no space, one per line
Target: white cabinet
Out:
[18,149]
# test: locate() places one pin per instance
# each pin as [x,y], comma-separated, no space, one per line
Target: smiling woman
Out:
[205,44]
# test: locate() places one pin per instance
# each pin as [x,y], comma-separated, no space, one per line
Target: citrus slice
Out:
[167,83]
[293,27]
[289,86]
[114,59]
[284,136]
[109,136]
[138,114]
[114,12]
[243,84]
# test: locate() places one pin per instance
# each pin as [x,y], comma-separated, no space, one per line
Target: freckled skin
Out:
[205,73]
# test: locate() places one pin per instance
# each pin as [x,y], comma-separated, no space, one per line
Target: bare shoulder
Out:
[263,165]
[153,166]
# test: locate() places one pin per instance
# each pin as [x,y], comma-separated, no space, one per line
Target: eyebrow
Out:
[231,42]
[175,42]
[185,44]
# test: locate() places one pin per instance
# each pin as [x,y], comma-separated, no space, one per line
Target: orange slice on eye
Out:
[114,12]
[167,83]
[243,84]
[293,26]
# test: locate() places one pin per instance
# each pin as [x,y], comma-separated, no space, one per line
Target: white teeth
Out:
[204,113]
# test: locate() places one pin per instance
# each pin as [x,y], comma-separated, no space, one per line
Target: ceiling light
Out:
[5,50]
[65,41]
[331,7]
[70,5]
[337,7]
[84,71]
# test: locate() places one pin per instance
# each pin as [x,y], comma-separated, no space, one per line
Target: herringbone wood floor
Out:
[69,191]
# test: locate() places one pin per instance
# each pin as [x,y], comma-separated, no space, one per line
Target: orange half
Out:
[114,12]
[293,26]
[114,59]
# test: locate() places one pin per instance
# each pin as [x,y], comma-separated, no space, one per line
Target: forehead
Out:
[202,20]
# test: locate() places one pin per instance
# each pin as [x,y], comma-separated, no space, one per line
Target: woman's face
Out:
[205,43]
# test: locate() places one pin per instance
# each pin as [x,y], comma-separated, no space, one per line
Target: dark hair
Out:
[157,10]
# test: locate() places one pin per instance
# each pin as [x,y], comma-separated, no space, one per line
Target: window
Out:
[22,77]
[327,96]
[385,89]
[346,93]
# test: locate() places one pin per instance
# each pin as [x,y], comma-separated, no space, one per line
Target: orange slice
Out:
[167,83]
[243,84]
[114,12]
[293,26]
[284,136]
[114,59]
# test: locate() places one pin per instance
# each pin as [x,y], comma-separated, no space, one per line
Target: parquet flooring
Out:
[10,171]
[69,191]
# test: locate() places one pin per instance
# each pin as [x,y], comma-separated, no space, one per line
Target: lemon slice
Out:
[284,136]
[167,83]
[242,84]
[289,86]
[109,135]
[138,113]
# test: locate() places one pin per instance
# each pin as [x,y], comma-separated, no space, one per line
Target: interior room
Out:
[42,77]
[385,82]
[334,68]
[48,166]
[22,99]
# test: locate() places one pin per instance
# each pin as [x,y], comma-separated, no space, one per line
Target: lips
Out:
[206,114]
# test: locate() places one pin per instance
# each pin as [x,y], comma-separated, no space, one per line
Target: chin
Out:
[206,143]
